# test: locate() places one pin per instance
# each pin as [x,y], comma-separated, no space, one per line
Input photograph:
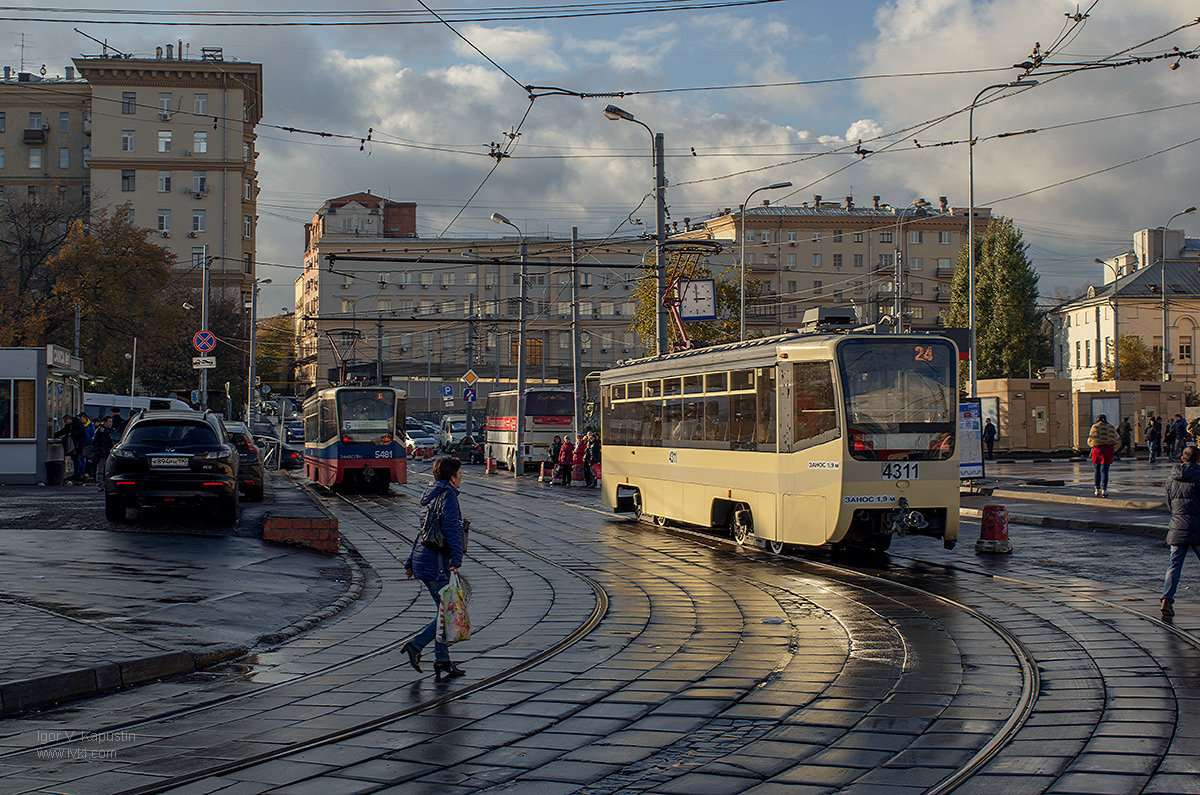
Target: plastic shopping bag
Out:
[454,624]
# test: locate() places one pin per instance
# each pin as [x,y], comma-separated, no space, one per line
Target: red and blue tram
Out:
[354,437]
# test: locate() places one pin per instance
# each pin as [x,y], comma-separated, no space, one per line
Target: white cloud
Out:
[509,46]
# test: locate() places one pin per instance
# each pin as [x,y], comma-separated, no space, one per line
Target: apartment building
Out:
[418,317]
[1128,300]
[172,135]
[45,137]
[831,253]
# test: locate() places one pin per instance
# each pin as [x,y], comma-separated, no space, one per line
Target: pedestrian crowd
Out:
[575,460]
[87,443]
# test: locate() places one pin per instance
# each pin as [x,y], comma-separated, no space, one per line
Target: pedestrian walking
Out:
[1178,435]
[1103,439]
[579,459]
[591,458]
[1154,438]
[1125,432]
[552,456]
[1183,532]
[566,459]
[106,436]
[989,436]
[434,566]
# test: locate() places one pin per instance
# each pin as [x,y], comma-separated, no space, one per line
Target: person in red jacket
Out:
[566,458]
[580,456]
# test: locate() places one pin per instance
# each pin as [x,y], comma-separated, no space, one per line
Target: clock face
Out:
[698,300]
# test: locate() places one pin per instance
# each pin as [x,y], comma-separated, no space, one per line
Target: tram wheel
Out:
[741,526]
[777,547]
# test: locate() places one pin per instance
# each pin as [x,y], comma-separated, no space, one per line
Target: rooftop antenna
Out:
[21,47]
[104,44]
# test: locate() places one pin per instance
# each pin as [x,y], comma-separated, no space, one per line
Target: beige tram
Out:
[803,439]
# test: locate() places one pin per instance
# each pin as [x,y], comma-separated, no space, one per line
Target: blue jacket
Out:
[1183,500]
[429,564]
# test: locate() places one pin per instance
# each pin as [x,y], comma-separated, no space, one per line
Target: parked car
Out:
[467,449]
[294,431]
[173,457]
[420,444]
[250,467]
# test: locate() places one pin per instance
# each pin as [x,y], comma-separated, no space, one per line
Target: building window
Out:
[128,102]
[837,260]
[32,193]
[200,182]
[791,235]
[3,123]
[944,238]
[766,236]
[1,157]
[126,140]
[750,235]
[165,104]
[816,260]
[1185,349]
[885,237]
[858,237]
[916,288]
[885,261]
[917,312]
[164,182]
[791,286]
[199,221]
[749,259]
[472,278]
[858,260]
[816,235]
[817,288]
[837,236]
[447,279]
[791,260]
[247,227]
[944,264]
[200,104]
[87,157]
[129,217]
[247,262]
[1087,353]
[1078,354]
[164,140]
[916,264]
[86,195]
[199,142]
[914,236]
[426,278]
[35,158]
[248,190]
[18,409]
[64,122]
[164,221]
[64,157]
[35,121]
[245,151]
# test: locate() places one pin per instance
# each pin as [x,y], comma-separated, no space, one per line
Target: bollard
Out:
[993,531]
[490,467]
[544,476]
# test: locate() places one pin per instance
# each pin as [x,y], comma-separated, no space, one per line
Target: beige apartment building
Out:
[838,253]
[428,320]
[172,135]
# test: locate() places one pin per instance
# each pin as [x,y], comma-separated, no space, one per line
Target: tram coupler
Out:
[904,521]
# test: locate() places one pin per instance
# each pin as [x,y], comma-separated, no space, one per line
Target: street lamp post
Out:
[519,460]
[253,333]
[971,222]
[901,256]
[1116,317]
[613,113]
[742,238]
[1162,262]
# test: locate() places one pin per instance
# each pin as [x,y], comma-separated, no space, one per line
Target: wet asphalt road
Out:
[680,664]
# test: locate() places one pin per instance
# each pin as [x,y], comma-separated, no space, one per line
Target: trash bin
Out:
[55,463]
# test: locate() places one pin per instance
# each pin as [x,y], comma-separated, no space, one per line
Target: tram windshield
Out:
[366,411]
[900,398]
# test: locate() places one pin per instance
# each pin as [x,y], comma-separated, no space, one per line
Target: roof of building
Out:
[1183,279]
[365,199]
[831,209]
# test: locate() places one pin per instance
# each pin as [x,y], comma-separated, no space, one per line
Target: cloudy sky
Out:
[436,106]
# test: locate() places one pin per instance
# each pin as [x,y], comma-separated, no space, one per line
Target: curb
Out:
[1072,499]
[46,691]
[1129,529]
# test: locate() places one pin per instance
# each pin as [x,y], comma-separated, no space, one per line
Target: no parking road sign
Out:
[469,395]
[204,341]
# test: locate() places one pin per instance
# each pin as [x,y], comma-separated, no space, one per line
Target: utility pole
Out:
[250,377]
[78,312]
[204,324]
[519,469]
[575,363]
[660,268]
[470,355]
[379,347]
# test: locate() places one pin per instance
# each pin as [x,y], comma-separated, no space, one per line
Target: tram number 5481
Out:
[900,470]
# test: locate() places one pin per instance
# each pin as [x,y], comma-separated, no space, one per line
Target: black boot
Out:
[414,655]
[446,670]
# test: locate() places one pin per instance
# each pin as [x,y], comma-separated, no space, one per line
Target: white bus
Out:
[100,404]
[800,439]
[549,412]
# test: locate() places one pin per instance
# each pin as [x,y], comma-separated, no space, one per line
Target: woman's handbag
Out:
[454,623]
[430,535]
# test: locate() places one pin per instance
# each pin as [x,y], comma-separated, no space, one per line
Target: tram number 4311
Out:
[900,470]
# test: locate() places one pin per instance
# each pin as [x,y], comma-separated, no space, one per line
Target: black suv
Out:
[172,457]
[250,469]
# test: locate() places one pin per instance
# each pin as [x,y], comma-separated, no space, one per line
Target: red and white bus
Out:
[549,412]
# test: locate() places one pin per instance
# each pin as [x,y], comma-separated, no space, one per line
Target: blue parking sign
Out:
[469,395]
[447,390]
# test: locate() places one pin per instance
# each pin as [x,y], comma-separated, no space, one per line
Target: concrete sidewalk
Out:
[89,607]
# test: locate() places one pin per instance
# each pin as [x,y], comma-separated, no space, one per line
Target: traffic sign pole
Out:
[204,323]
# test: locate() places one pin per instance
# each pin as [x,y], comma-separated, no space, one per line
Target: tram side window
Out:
[716,419]
[312,424]
[766,409]
[653,389]
[716,382]
[606,416]
[693,384]
[816,418]
[635,390]
[329,426]
[742,414]
[693,421]
[671,387]
[672,421]
[741,379]
[652,419]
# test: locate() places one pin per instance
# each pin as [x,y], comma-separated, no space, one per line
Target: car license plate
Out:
[900,470]
[169,462]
